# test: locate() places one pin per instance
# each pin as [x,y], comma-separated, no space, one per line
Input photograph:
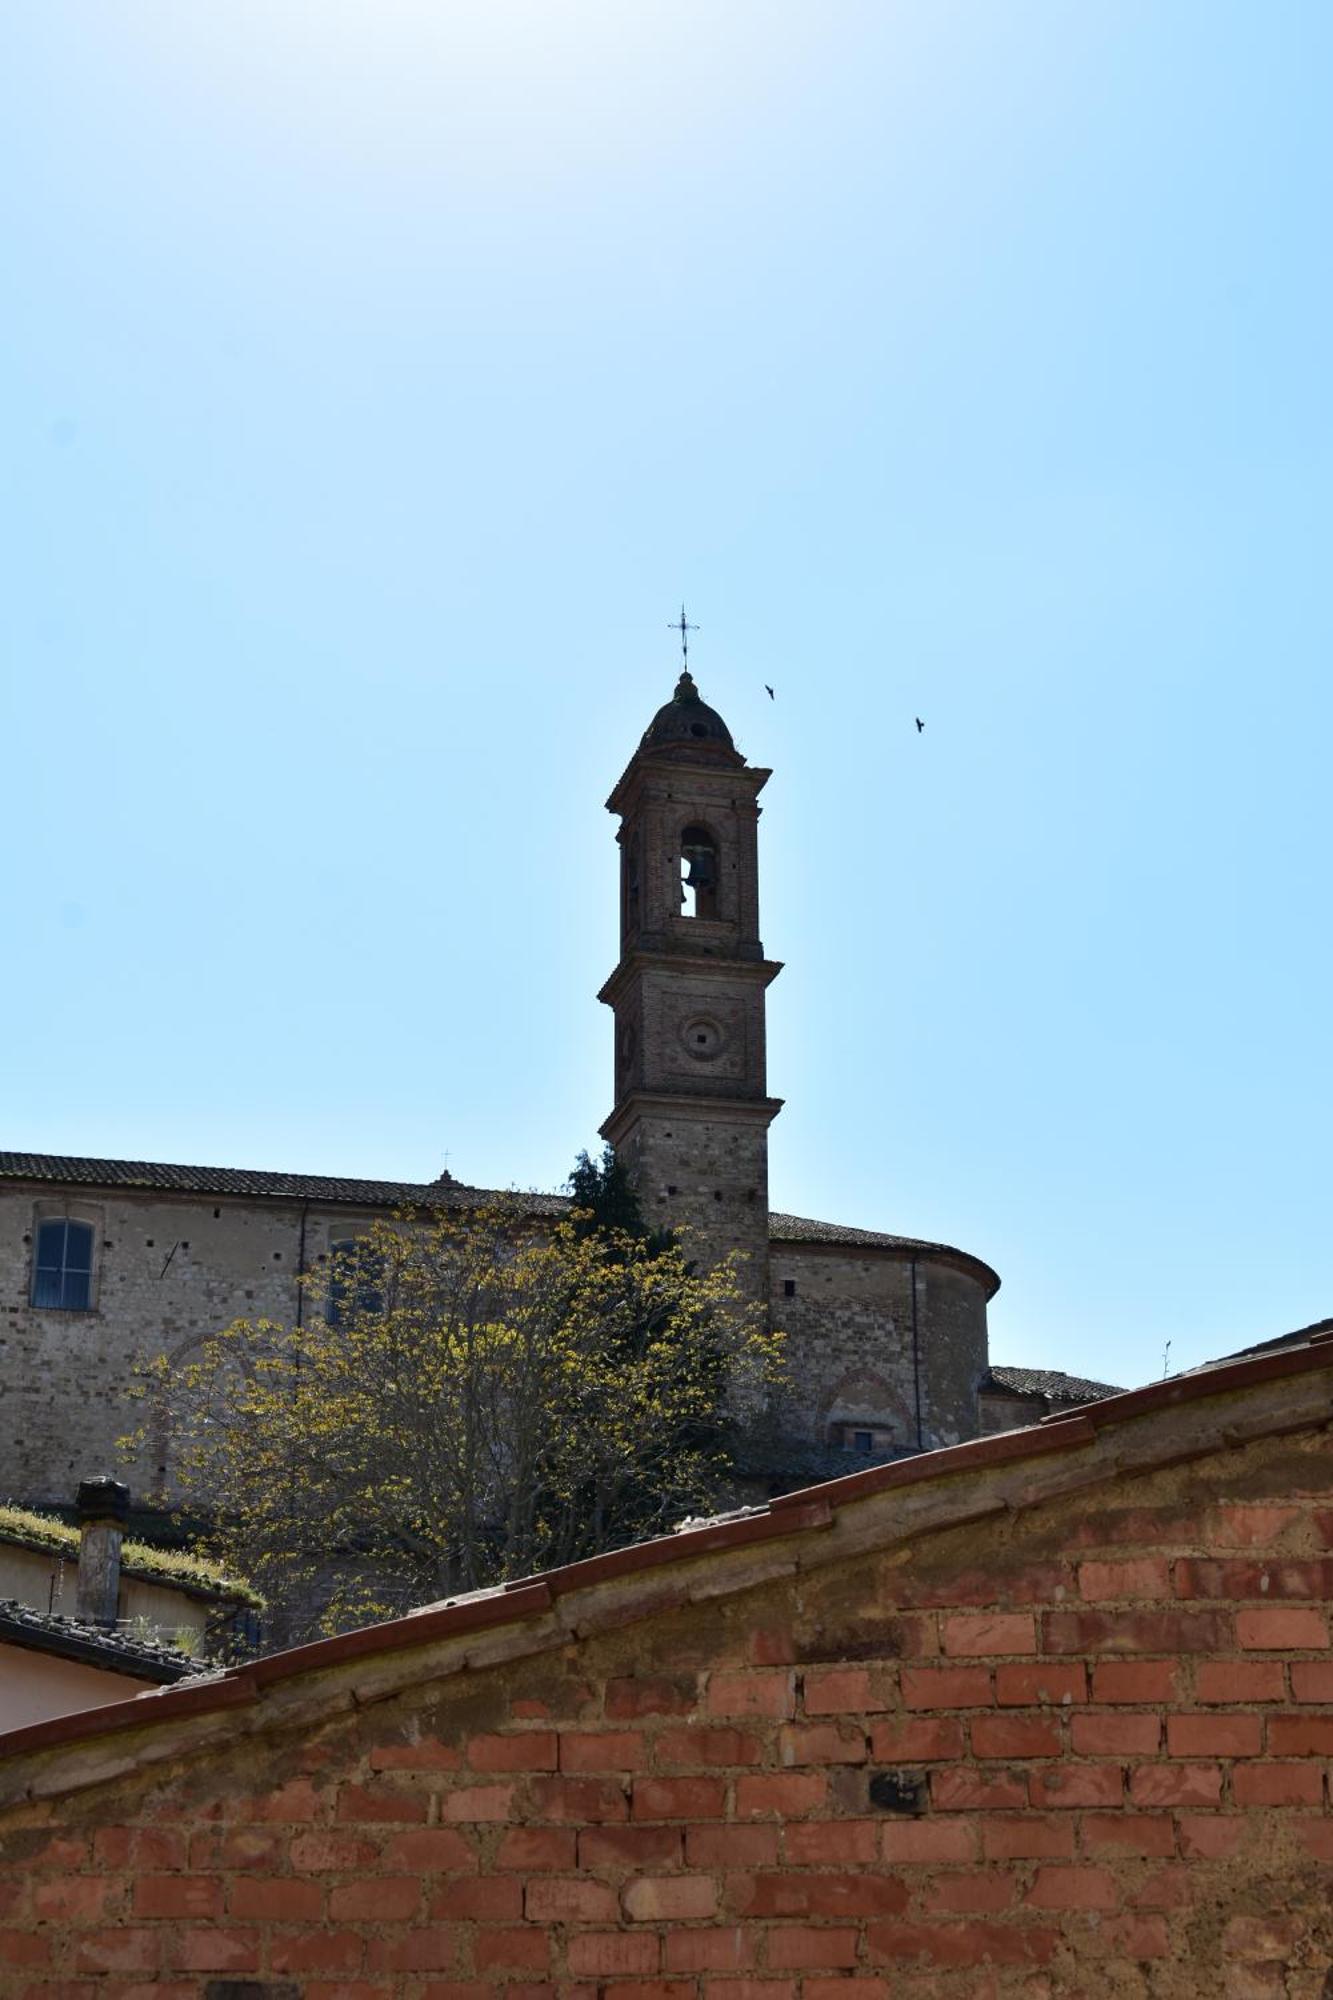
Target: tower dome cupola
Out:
[687,722]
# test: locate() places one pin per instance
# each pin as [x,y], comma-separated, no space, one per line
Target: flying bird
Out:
[920,725]
[769,692]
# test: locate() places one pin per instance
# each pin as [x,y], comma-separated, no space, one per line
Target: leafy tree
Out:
[474,1397]
[605,1199]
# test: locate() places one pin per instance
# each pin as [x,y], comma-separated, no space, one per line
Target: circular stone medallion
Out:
[703,1037]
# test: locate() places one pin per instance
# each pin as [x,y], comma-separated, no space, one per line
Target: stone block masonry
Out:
[171,1267]
[1070,1734]
[168,1271]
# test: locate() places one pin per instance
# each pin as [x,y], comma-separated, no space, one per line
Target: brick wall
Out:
[1081,1748]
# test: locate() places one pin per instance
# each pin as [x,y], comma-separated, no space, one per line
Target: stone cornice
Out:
[756,971]
[736,1110]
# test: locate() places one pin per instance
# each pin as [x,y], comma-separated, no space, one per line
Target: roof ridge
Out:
[55,1630]
[179,1177]
[182,1177]
[1044,1381]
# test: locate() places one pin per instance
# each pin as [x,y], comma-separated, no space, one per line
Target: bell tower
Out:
[692,1109]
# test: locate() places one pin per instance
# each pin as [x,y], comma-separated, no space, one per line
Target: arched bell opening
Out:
[698,873]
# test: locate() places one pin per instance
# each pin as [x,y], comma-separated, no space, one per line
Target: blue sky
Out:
[377,378]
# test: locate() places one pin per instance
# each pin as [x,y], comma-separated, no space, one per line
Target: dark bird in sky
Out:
[920,725]
[769,692]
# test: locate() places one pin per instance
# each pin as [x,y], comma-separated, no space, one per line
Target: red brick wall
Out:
[1120,1716]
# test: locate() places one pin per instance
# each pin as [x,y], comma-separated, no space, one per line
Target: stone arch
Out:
[863,1405]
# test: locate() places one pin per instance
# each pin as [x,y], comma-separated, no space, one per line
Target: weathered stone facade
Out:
[886,1335]
[169,1268]
[888,1340]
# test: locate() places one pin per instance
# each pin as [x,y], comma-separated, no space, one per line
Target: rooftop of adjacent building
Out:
[53,1533]
[1051,1384]
[115,1648]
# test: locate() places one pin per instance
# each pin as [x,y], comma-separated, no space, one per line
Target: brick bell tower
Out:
[692,1109]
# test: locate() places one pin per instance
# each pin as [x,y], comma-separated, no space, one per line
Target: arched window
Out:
[698,873]
[62,1268]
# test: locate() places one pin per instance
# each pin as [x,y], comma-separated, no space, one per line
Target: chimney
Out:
[104,1508]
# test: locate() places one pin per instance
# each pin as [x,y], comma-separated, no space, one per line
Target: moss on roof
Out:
[195,1574]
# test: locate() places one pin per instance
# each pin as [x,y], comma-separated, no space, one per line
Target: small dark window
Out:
[672,1190]
[863,1441]
[789,1288]
[62,1273]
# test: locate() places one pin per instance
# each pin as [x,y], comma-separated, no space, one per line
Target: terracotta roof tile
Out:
[802,1229]
[116,1650]
[1048,1382]
[443,1193]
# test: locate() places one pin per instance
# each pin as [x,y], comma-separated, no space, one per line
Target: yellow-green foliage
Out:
[492,1402]
[191,1571]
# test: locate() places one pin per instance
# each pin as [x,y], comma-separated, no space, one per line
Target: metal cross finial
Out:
[680,625]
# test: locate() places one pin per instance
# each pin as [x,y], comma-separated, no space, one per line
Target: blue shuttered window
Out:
[62,1272]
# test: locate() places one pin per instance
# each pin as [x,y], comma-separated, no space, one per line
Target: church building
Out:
[103,1262]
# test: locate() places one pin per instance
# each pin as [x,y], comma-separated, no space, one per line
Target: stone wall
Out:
[171,1269]
[1008,1413]
[168,1271]
[855,1323]
[707,1178]
[1078,1747]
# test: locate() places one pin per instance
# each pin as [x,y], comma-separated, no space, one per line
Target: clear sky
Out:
[378,377]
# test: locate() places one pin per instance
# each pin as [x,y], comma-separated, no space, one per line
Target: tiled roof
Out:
[443,1193]
[801,1229]
[1302,1333]
[116,1650]
[1048,1382]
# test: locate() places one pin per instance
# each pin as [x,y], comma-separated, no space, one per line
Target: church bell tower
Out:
[692,1109]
